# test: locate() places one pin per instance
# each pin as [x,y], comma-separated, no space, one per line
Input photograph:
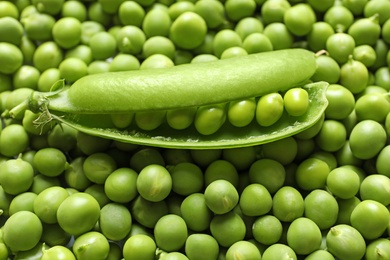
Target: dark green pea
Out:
[75,176]
[272,150]
[305,147]
[345,156]
[5,83]
[327,70]
[28,47]
[365,30]
[42,182]
[381,48]
[89,144]
[147,213]
[279,35]
[177,8]
[149,120]
[38,26]
[145,157]
[98,166]
[122,120]
[317,37]
[187,178]
[182,57]
[30,127]
[204,158]
[340,46]
[339,17]
[311,131]
[221,169]
[288,204]
[241,157]
[227,228]
[62,137]
[321,6]
[96,14]
[269,173]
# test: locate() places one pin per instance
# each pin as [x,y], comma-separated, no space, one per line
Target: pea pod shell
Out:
[187,85]
[227,137]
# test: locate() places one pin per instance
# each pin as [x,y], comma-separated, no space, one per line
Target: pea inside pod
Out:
[89,104]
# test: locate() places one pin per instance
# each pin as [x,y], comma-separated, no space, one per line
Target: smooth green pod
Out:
[89,103]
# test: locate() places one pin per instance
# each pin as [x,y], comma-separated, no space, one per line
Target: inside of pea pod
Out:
[227,136]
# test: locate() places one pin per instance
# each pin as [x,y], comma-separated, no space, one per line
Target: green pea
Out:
[340,46]
[26,77]
[98,66]
[290,209]
[11,30]
[195,212]
[47,79]
[62,137]
[373,107]
[96,14]
[319,34]
[58,251]
[227,228]
[225,39]
[269,173]
[299,19]
[273,11]
[237,10]
[154,183]
[252,192]
[364,130]
[365,30]
[47,55]
[9,9]
[115,221]
[221,196]
[170,232]
[379,7]
[279,35]
[146,212]
[327,69]
[365,54]
[212,12]
[47,202]
[233,52]
[243,249]
[346,157]
[98,166]
[74,9]
[158,45]
[269,109]
[156,61]
[278,251]
[267,229]
[332,135]
[88,29]
[139,246]
[22,202]
[187,178]
[209,119]
[178,8]
[98,246]
[17,176]
[355,6]
[82,52]
[200,245]
[13,140]
[311,174]
[375,186]
[103,45]
[131,13]
[124,62]
[72,69]
[382,77]
[130,39]
[180,118]
[257,42]
[296,101]
[377,248]
[304,236]
[11,56]
[322,208]
[39,26]
[67,32]
[75,176]
[157,22]
[341,102]
[339,17]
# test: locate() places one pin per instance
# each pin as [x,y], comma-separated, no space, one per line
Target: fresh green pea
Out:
[115,221]
[241,158]
[149,120]
[385,32]
[187,178]
[345,242]
[345,156]
[50,161]
[367,130]
[299,19]
[255,191]
[382,77]
[241,113]
[170,233]
[355,6]
[57,252]
[279,35]
[365,54]
[257,42]
[47,202]
[233,52]
[322,6]
[22,202]
[377,248]
[272,11]
[146,212]
[11,30]
[221,196]
[287,210]
[200,245]
[158,45]
[88,29]
[130,39]
[319,34]
[296,101]
[42,182]
[74,9]
[338,134]
[96,14]
[39,26]
[154,183]
[225,39]
[267,229]
[17,176]
[236,10]
[243,249]
[204,58]
[156,61]
[62,137]
[209,119]
[195,212]
[375,187]
[9,9]
[380,7]
[157,22]
[304,236]
[278,251]
[47,55]
[269,109]
[180,118]
[341,102]
[212,12]
[98,246]
[178,8]
[381,50]
[227,228]
[98,66]
[188,30]
[322,208]
[327,69]
[13,140]
[98,166]
[311,174]
[22,231]
[365,30]
[340,46]
[269,173]
[11,56]
[131,13]
[67,32]
[339,17]
[72,69]
[343,182]
[182,57]
[75,176]
[47,79]
[124,62]
[82,52]
[103,45]
[372,106]
[139,246]
[354,75]
[204,158]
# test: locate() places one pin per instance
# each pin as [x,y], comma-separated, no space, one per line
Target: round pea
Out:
[304,236]
[296,101]
[170,232]
[11,56]
[343,182]
[221,196]
[299,19]
[195,212]
[67,32]
[273,11]
[237,10]
[288,204]
[200,245]
[98,246]
[269,109]
[252,192]
[139,246]
[154,183]
[341,102]
[156,22]
[227,228]
[332,135]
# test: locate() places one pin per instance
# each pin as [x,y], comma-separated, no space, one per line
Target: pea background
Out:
[341,161]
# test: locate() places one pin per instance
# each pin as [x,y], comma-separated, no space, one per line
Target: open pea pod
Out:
[227,137]
[89,104]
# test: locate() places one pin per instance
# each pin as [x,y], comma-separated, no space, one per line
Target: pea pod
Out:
[88,105]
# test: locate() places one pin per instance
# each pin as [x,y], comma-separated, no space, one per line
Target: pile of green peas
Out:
[321,194]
